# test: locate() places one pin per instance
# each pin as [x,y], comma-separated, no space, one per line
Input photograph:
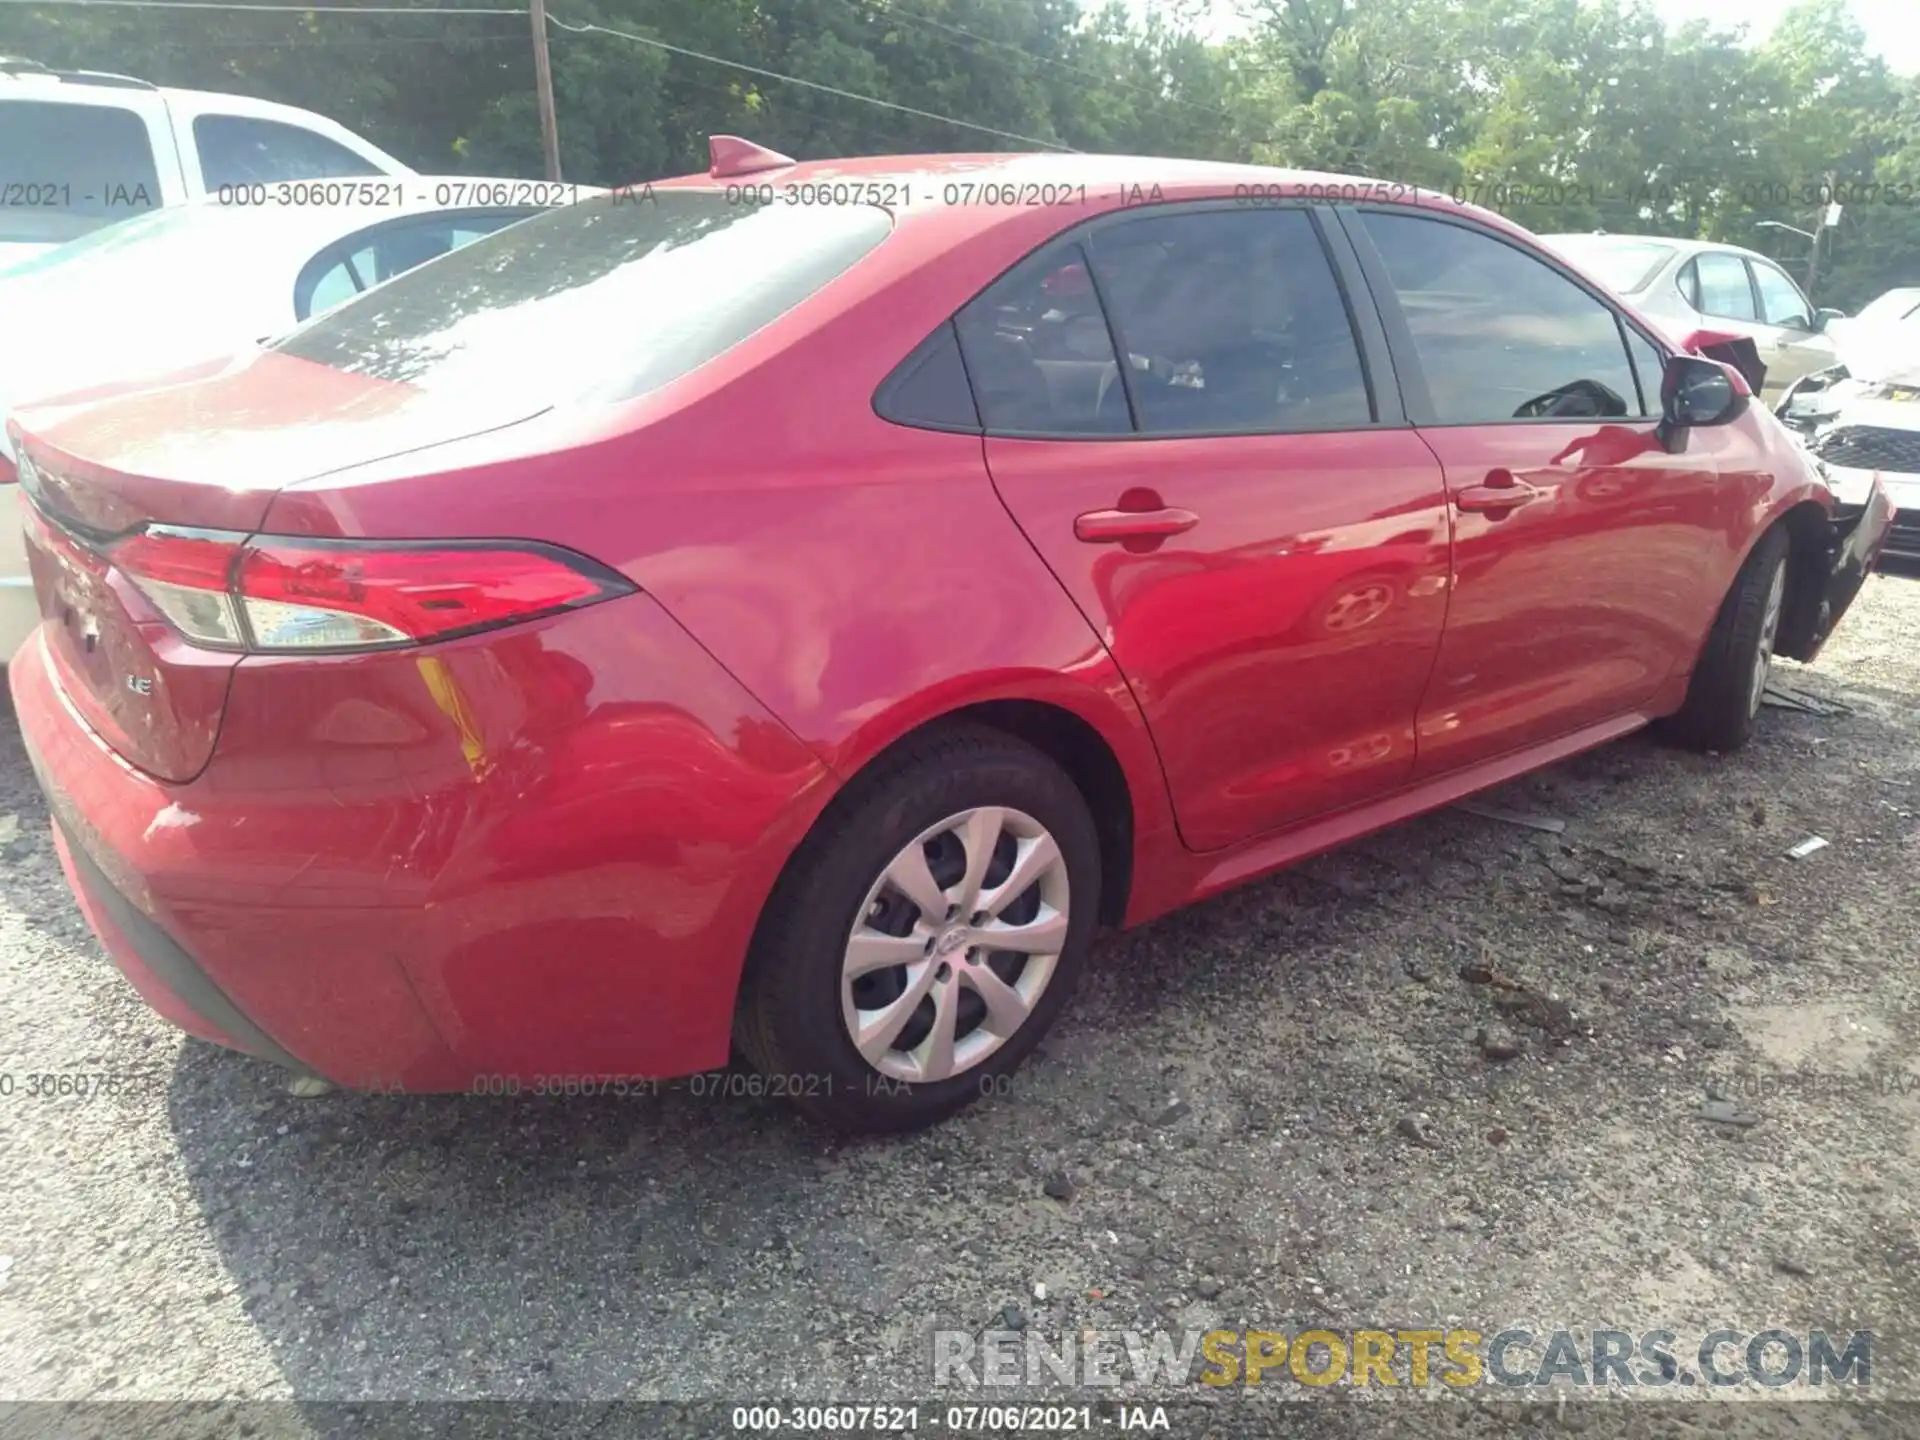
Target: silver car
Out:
[1704,285]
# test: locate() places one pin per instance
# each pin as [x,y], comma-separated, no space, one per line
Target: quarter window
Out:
[1501,335]
[1232,322]
[1719,287]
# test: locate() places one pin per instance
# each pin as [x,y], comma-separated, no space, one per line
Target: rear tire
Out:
[1723,697]
[998,845]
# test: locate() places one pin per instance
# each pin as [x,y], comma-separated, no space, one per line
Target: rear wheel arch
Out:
[1079,749]
[795,1015]
[1065,737]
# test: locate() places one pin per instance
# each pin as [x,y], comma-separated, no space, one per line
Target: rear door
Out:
[1239,508]
[1583,550]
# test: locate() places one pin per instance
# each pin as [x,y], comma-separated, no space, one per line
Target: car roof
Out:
[1005,185]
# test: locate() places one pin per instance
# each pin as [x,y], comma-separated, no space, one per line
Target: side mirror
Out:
[1823,317]
[1696,392]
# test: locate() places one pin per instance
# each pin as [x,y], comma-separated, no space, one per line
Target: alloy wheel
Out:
[955,943]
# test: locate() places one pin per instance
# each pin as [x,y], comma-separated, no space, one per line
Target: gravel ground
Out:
[1274,1110]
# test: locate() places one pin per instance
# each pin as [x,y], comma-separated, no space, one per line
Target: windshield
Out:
[1622,265]
[604,299]
[1881,351]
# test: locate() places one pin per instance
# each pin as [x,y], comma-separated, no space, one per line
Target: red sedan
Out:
[796,606]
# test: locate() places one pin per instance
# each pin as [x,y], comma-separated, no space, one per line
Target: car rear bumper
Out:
[441,870]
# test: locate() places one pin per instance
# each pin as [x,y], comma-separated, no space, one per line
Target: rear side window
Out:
[604,299]
[1039,353]
[1232,322]
[1501,335]
[68,169]
[240,150]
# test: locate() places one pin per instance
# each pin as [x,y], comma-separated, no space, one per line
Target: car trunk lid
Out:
[202,450]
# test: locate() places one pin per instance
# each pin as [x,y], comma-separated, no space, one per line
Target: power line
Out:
[892,7]
[789,79]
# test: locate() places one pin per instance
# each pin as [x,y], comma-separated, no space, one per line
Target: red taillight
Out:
[280,594]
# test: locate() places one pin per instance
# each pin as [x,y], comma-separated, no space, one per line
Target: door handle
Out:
[1502,492]
[1099,527]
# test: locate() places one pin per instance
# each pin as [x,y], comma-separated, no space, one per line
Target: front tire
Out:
[926,934]
[1723,697]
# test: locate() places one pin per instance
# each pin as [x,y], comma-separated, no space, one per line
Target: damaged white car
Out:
[1861,418]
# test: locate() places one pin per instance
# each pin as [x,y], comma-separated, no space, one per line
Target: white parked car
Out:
[171,287]
[1703,285]
[1862,417]
[1882,310]
[80,149]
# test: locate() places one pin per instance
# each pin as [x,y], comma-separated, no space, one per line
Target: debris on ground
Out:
[1808,846]
[1725,1112]
[1414,1129]
[1497,1042]
[1782,698]
[1550,824]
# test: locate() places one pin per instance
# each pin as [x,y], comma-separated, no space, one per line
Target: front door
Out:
[1582,548]
[1258,536]
[1791,347]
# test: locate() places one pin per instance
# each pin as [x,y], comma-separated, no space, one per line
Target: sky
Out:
[1892,26]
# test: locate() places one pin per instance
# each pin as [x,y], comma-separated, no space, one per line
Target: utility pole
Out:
[1820,224]
[543,88]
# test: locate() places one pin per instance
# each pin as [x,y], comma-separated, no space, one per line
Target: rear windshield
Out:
[604,299]
[1623,266]
[68,169]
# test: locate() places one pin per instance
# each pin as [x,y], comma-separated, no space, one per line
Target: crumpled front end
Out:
[1857,536]
[1861,421]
